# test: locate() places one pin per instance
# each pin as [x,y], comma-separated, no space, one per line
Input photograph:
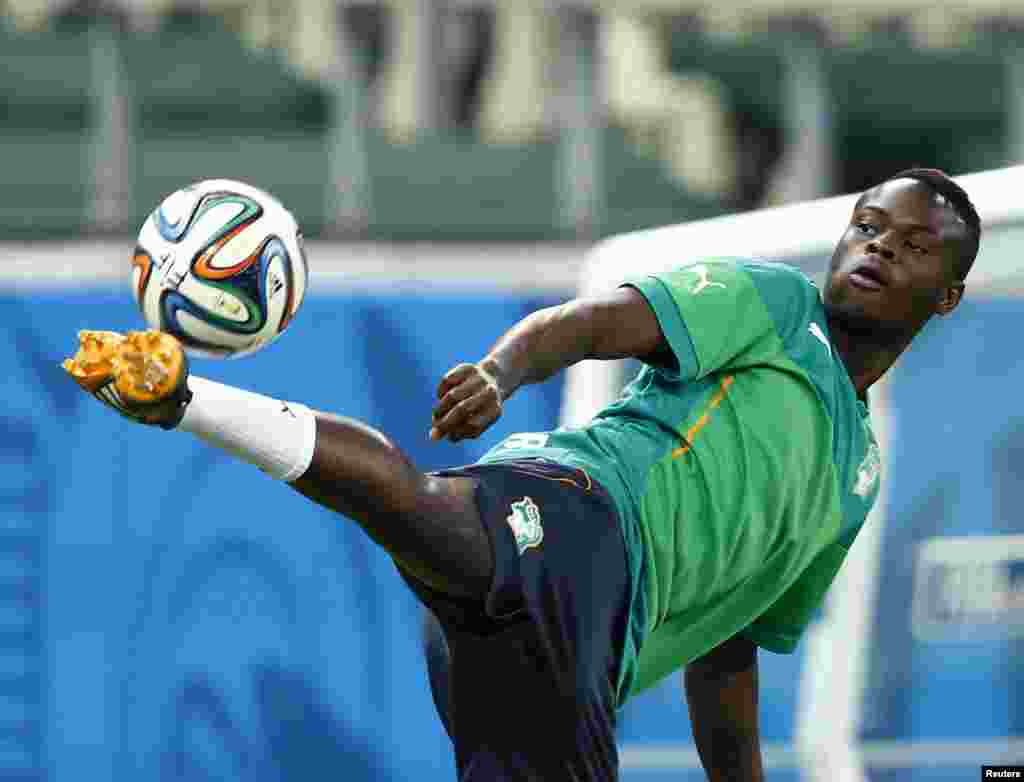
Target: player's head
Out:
[904,255]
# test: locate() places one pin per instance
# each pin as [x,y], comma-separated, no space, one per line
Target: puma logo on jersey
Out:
[818,334]
[702,272]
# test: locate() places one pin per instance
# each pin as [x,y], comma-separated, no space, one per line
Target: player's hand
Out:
[469,401]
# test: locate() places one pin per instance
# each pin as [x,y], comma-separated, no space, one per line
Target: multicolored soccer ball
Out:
[220,265]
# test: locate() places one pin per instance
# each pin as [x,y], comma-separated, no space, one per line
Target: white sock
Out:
[278,437]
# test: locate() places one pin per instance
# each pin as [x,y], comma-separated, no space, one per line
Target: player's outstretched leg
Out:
[429,524]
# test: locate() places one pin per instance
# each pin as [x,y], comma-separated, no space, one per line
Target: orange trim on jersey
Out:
[692,432]
[571,481]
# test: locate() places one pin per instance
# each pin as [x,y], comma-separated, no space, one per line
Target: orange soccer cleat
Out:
[143,374]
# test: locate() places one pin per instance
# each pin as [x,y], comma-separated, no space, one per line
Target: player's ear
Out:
[950,298]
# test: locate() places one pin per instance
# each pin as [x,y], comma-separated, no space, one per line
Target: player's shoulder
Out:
[765,271]
[781,284]
[789,296]
[768,276]
[775,270]
[741,264]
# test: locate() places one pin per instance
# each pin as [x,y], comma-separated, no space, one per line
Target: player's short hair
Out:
[956,198]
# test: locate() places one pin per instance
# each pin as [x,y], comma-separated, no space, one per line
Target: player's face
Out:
[895,265]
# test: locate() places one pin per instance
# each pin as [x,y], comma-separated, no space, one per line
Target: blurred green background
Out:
[530,120]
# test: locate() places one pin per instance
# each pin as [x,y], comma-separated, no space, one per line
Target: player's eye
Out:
[866,228]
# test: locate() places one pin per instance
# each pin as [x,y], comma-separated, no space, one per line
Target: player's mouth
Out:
[868,275]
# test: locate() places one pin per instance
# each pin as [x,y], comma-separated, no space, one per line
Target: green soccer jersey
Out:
[741,473]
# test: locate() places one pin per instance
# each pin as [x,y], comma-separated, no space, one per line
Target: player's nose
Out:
[877,247]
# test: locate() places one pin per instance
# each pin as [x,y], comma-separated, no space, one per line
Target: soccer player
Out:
[702,515]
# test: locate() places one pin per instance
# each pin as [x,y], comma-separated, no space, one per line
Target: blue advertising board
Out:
[169,613]
[945,690]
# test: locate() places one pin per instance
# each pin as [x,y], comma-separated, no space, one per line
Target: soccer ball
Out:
[220,265]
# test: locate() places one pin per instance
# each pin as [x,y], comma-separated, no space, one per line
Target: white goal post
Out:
[804,235]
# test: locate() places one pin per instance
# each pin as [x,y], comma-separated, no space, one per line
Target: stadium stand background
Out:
[453,162]
[481,120]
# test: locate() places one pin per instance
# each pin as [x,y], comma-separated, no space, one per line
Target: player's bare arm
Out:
[721,691]
[618,324]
